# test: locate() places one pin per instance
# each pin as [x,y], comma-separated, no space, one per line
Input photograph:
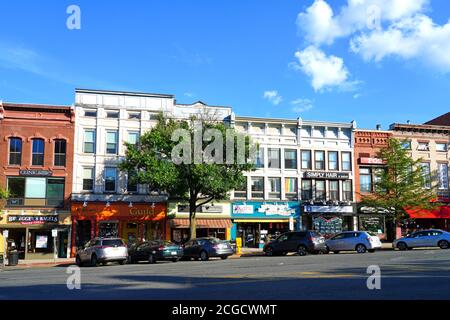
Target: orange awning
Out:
[202,223]
[442,212]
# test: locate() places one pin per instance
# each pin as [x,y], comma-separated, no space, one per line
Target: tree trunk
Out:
[192,222]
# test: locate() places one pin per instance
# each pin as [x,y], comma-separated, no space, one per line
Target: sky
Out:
[373,61]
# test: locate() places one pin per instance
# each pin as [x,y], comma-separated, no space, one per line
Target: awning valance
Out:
[442,212]
[202,223]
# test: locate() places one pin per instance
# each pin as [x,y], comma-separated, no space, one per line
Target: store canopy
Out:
[442,212]
[202,223]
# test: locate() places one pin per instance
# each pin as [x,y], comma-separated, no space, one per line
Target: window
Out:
[319,160]
[16,188]
[90,113]
[134,115]
[275,188]
[258,188]
[333,161]
[133,138]
[306,189]
[347,193]
[132,185]
[111,142]
[423,146]
[110,179]
[306,159]
[426,173]
[365,178]
[290,188]
[334,190]
[60,153]
[89,141]
[88,179]
[38,152]
[15,151]
[441,147]
[55,192]
[259,158]
[320,190]
[290,159]
[112,114]
[346,161]
[274,158]
[443,176]
[241,191]
[406,145]
[36,192]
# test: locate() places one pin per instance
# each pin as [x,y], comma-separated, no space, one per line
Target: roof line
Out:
[124,93]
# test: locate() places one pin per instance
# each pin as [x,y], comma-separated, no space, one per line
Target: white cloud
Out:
[325,71]
[302,105]
[273,97]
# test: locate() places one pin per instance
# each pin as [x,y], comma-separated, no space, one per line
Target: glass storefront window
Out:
[372,223]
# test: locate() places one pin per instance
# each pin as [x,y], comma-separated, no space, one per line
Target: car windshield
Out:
[113,243]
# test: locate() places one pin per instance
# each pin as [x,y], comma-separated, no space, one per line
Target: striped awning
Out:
[202,223]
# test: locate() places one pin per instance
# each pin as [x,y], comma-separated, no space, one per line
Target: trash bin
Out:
[13,258]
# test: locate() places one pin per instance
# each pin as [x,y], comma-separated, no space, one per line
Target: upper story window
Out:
[346,161]
[275,188]
[333,163]
[112,114]
[423,146]
[88,179]
[258,188]
[307,189]
[320,190]
[306,159]
[110,179]
[290,159]
[426,173]
[443,176]
[15,151]
[274,158]
[259,158]
[111,142]
[441,147]
[60,153]
[134,115]
[153,116]
[319,160]
[347,193]
[241,191]
[38,152]
[36,192]
[90,113]
[290,188]
[133,138]
[132,185]
[89,141]
[365,179]
[406,144]
[334,190]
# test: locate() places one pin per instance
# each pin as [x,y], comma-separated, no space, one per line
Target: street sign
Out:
[54,233]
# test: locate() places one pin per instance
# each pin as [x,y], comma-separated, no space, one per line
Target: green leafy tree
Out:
[400,186]
[151,162]
[4,195]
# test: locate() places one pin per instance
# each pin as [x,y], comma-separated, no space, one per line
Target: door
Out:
[63,238]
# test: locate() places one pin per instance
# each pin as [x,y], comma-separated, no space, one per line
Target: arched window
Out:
[15,151]
[60,153]
[38,152]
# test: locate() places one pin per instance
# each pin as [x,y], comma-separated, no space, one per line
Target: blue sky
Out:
[314,59]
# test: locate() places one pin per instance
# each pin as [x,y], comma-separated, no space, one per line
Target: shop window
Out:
[275,188]
[110,179]
[258,188]
[259,158]
[333,163]
[88,179]
[15,151]
[55,192]
[111,142]
[365,177]
[133,138]
[16,188]
[60,153]
[108,230]
[290,159]
[306,159]
[346,161]
[320,190]
[38,152]
[347,190]
[319,159]
[306,190]
[241,191]
[290,187]
[274,158]
[89,141]
[334,190]
[36,192]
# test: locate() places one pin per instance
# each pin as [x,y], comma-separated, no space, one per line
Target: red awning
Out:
[442,212]
[202,223]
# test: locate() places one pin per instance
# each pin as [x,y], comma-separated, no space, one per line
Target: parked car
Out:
[102,250]
[302,242]
[205,248]
[359,241]
[425,238]
[153,251]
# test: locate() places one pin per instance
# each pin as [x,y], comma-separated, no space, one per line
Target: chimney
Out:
[378,126]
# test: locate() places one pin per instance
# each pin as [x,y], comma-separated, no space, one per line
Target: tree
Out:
[165,158]
[4,195]
[400,186]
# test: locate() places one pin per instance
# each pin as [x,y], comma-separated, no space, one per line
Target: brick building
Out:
[36,148]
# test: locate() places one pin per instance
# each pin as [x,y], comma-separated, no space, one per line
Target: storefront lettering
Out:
[281,210]
[337,209]
[142,212]
[371,161]
[36,173]
[325,175]
[243,209]
[25,220]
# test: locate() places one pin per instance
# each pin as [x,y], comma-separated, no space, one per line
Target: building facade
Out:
[430,143]
[303,179]
[36,145]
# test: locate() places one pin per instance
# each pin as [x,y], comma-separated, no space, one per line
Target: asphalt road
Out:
[416,274]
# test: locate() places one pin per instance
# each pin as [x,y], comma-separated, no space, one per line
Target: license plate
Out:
[174,253]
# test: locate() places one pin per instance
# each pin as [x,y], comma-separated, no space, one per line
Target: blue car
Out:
[205,248]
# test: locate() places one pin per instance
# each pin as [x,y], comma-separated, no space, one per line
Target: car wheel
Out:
[326,250]
[360,248]
[224,257]
[402,246]
[94,261]
[204,256]
[78,261]
[122,262]
[151,259]
[443,244]
[269,252]
[301,250]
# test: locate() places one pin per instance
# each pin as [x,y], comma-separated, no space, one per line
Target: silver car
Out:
[359,241]
[424,238]
[102,250]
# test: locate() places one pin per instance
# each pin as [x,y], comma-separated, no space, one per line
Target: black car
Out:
[302,242]
[153,251]
[205,248]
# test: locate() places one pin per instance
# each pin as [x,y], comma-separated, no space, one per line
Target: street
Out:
[416,274]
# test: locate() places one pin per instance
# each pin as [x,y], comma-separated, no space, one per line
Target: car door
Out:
[417,240]
[350,241]
[142,251]
[336,242]
[187,249]
[282,243]
[433,238]
[82,252]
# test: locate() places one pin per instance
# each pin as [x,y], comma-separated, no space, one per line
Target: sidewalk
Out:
[25,264]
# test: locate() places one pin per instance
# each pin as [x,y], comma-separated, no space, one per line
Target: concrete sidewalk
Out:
[25,264]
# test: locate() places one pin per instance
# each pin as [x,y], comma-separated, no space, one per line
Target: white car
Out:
[424,238]
[359,241]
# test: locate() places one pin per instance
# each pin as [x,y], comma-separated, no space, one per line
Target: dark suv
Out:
[302,242]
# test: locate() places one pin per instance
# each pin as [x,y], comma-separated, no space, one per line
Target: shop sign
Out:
[276,209]
[328,226]
[36,173]
[329,209]
[243,209]
[32,220]
[326,175]
[142,212]
[205,209]
[371,161]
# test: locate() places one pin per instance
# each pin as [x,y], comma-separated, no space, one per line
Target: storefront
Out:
[425,219]
[133,222]
[213,220]
[37,235]
[330,220]
[373,220]
[257,222]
